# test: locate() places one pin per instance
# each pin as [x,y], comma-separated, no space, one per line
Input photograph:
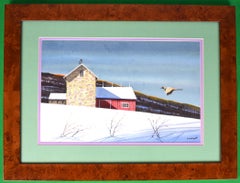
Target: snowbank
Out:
[78,124]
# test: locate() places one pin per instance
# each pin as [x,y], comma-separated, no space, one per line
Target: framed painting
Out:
[119,92]
[133,106]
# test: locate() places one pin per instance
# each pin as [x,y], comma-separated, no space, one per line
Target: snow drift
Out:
[88,125]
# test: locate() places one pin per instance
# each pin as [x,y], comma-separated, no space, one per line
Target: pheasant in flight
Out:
[169,90]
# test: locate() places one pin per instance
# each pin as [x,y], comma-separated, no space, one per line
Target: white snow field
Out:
[89,125]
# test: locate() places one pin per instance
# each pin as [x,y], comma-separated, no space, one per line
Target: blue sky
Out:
[144,64]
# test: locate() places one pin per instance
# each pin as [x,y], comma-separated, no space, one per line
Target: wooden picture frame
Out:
[14,169]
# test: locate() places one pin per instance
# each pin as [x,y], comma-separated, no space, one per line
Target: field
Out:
[88,125]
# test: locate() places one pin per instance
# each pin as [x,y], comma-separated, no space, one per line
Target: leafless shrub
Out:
[71,129]
[157,124]
[114,125]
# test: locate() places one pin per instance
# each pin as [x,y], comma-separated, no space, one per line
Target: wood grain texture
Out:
[15,170]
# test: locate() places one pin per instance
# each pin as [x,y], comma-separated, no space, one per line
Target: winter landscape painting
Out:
[121,91]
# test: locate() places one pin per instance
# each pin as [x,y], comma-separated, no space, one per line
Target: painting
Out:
[121,91]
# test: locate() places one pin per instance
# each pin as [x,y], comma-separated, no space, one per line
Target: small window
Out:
[125,105]
[81,73]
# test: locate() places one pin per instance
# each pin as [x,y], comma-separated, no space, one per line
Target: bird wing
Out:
[169,90]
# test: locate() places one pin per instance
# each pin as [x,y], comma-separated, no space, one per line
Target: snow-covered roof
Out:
[77,68]
[104,93]
[115,93]
[57,96]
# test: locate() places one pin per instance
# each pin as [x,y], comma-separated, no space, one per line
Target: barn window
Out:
[81,73]
[125,105]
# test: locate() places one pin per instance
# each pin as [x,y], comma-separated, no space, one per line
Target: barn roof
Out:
[115,93]
[57,96]
[126,93]
[74,71]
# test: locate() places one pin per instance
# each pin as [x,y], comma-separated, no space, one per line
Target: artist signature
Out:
[192,138]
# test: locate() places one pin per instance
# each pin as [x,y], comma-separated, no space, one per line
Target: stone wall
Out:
[81,90]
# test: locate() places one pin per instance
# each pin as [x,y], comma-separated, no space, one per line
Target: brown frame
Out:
[15,170]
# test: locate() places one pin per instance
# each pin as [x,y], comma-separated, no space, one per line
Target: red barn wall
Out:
[130,105]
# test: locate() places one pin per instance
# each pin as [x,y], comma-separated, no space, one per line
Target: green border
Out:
[32,30]
[202,2]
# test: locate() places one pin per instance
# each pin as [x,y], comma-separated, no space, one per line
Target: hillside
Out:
[54,83]
[60,124]
[51,83]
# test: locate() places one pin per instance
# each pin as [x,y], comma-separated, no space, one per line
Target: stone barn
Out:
[81,87]
[81,90]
